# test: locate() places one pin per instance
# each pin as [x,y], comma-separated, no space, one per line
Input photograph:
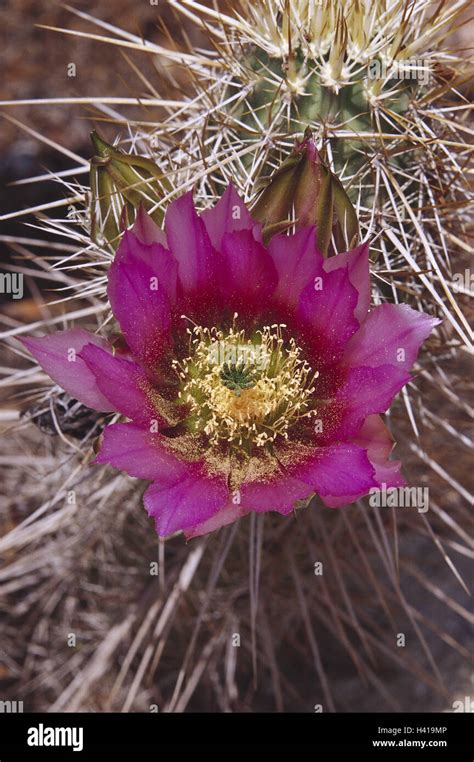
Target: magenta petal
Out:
[146,230]
[275,494]
[298,262]
[393,334]
[375,438]
[125,383]
[224,516]
[366,391]
[163,268]
[185,503]
[58,355]
[337,470]
[342,500]
[357,263]
[228,215]
[248,277]
[139,298]
[326,312]
[183,496]
[140,453]
[188,240]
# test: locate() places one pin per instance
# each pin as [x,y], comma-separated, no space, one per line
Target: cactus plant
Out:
[381,92]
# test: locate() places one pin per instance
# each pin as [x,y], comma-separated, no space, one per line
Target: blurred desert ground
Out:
[34,64]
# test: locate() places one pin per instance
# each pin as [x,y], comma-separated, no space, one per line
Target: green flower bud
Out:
[303,189]
[119,183]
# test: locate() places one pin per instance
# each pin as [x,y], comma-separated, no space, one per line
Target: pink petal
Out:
[333,470]
[189,241]
[393,334]
[343,500]
[185,503]
[183,496]
[375,438]
[273,494]
[364,392]
[125,383]
[139,298]
[248,277]
[223,517]
[137,451]
[326,314]
[297,261]
[357,263]
[163,267]
[342,469]
[146,230]
[228,215]
[58,355]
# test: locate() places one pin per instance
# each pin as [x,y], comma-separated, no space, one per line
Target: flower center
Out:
[244,390]
[237,377]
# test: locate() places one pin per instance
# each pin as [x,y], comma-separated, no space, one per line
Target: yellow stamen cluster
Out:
[279,394]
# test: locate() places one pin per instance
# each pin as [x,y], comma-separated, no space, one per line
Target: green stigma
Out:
[237,377]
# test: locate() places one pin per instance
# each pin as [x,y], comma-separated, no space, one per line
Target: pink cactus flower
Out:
[251,377]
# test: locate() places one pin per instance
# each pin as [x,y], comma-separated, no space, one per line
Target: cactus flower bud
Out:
[120,183]
[304,186]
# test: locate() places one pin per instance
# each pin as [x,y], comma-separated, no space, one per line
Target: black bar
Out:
[444,735]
